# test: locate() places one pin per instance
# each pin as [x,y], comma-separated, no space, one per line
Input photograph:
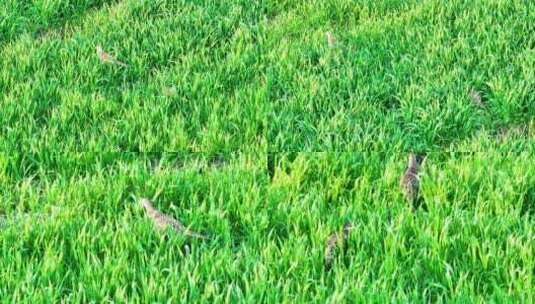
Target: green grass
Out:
[474,243]
[272,141]
[259,75]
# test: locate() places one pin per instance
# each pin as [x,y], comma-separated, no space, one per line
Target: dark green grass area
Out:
[34,18]
[473,241]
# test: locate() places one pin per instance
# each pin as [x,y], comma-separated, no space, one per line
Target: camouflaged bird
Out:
[335,239]
[410,180]
[107,58]
[170,91]
[330,247]
[476,98]
[21,218]
[3,221]
[18,219]
[163,221]
[331,41]
[347,229]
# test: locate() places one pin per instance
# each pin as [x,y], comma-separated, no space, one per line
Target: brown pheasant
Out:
[170,91]
[335,239]
[20,218]
[331,41]
[410,180]
[347,229]
[476,98]
[163,221]
[3,221]
[330,247]
[107,58]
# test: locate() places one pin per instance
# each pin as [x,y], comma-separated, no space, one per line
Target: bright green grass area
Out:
[399,74]
[474,242]
[56,95]
[257,89]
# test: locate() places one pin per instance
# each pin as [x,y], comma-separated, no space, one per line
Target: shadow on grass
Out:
[33,21]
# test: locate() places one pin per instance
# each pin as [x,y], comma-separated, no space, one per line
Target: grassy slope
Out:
[400,73]
[475,241]
[257,76]
[57,97]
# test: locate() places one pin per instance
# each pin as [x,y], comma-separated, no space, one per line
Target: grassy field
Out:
[243,120]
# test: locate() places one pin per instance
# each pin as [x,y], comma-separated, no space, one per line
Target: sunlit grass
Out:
[251,125]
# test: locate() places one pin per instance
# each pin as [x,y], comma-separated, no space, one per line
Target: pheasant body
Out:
[329,250]
[476,98]
[335,239]
[107,58]
[163,221]
[410,180]
[331,41]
